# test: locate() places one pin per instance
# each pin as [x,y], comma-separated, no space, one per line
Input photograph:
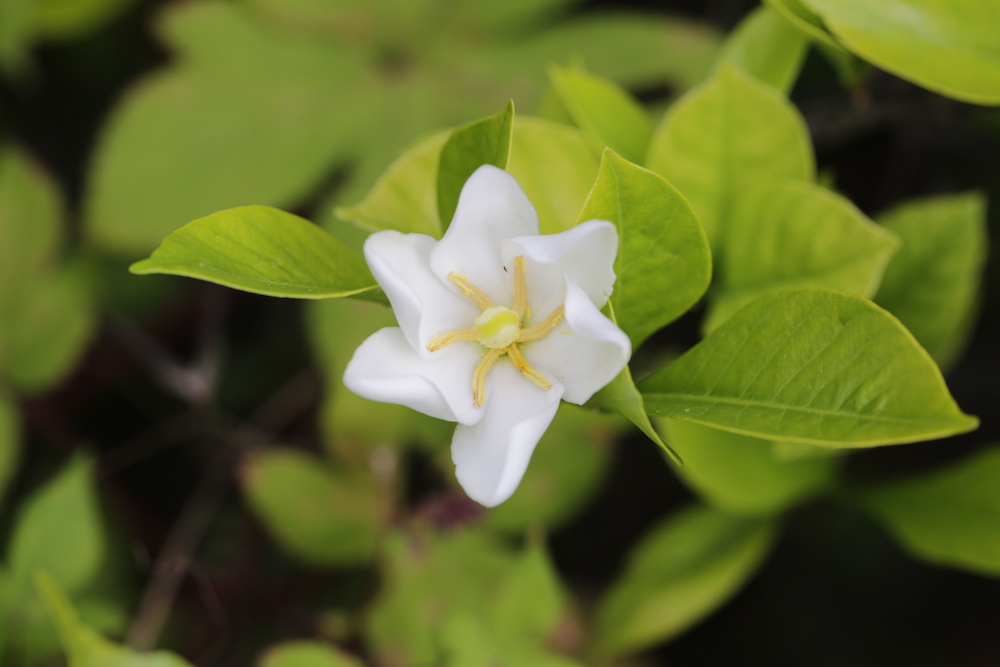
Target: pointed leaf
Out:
[768,47]
[608,115]
[263,250]
[485,141]
[724,134]
[805,19]
[683,569]
[948,516]
[786,234]
[810,365]
[932,283]
[663,264]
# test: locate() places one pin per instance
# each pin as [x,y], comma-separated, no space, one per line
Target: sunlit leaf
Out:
[948,516]
[805,20]
[810,365]
[768,47]
[685,568]
[306,654]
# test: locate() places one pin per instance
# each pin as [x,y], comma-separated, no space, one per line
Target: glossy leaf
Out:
[805,19]
[663,264]
[684,569]
[786,234]
[306,654]
[83,646]
[952,48]
[555,166]
[932,283]
[814,366]
[743,475]
[948,516]
[723,135]
[404,198]
[608,115]
[263,250]
[485,141]
[320,515]
[768,47]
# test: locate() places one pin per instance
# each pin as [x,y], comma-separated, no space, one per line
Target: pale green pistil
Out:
[497,327]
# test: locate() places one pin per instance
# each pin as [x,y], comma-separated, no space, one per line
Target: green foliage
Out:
[805,19]
[485,141]
[767,46]
[719,137]
[83,646]
[306,654]
[785,234]
[931,285]
[952,48]
[10,443]
[743,475]
[263,250]
[682,570]
[814,366]
[321,515]
[947,516]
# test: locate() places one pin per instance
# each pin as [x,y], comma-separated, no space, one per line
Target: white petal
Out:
[423,306]
[585,255]
[491,208]
[491,456]
[386,368]
[585,351]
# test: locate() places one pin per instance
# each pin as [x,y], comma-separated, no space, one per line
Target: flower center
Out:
[499,330]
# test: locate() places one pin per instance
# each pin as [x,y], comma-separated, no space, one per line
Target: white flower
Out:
[496,325]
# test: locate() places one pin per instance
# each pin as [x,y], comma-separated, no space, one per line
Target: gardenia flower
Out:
[496,325]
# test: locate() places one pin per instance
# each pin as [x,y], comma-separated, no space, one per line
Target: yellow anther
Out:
[478,295]
[452,337]
[542,328]
[479,376]
[521,364]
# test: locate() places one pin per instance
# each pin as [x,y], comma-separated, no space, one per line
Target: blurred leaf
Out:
[530,600]
[948,516]
[83,646]
[682,570]
[515,13]
[485,141]
[404,198]
[320,515]
[565,471]
[65,19]
[15,35]
[810,365]
[768,47]
[608,116]
[723,135]
[951,48]
[30,213]
[247,115]
[555,167]
[932,283]
[785,234]
[663,264]
[805,20]
[306,654]
[10,445]
[262,250]
[59,530]
[743,475]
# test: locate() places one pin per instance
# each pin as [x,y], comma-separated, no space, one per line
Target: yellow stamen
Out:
[451,337]
[542,328]
[521,364]
[479,376]
[520,290]
[478,295]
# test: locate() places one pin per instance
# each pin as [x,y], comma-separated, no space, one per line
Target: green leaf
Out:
[306,654]
[948,516]
[263,250]
[485,141]
[805,20]
[530,600]
[951,48]
[555,166]
[59,530]
[743,475]
[664,264]
[685,568]
[786,234]
[932,283]
[814,366]
[322,516]
[83,646]
[766,46]
[608,115]
[246,114]
[66,19]
[723,135]
[10,445]
[404,198]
